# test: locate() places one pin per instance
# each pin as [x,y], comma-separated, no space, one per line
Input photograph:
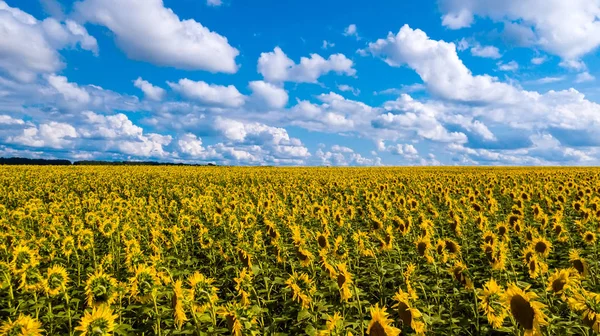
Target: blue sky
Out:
[448,82]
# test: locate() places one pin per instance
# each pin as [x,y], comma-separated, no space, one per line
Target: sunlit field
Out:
[316,251]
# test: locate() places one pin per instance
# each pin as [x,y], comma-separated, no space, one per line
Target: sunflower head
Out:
[100,288]
[202,293]
[23,325]
[578,263]
[380,324]
[302,288]
[56,280]
[23,258]
[541,246]
[561,280]
[490,297]
[458,271]
[524,309]
[589,237]
[101,321]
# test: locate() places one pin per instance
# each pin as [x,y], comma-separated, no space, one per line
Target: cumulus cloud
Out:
[440,67]
[485,51]
[276,66]
[150,91]
[148,31]
[268,95]
[52,135]
[210,94]
[351,30]
[569,29]
[28,47]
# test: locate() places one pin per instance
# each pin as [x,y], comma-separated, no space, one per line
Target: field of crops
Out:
[317,251]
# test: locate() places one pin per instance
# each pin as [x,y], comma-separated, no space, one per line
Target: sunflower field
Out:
[144,250]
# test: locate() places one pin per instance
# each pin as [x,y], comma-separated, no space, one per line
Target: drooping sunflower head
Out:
[458,271]
[344,281]
[100,288]
[24,325]
[490,297]
[408,315]
[452,247]
[245,258]
[302,288]
[202,293]
[524,309]
[304,256]
[578,263]
[56,280]
[380,324]
[101,321]
[561,280]
[85,239]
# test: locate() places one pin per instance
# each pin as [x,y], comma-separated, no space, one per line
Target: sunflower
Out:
[333,325]
[100,288]
[541,246]
[588,305]
[380,324]
[302,288]
[339,248]
[178,304]
[424,248]
[24,325]
[85,239]
[561,280]
[458,272]
[323,240]
[326,264]
[56,280]
[68,246]
[489,237]
[578,263]
[524,308]
[231,314]
[23,258]
[502,229]
[202,293]
[304,255]
[589,237]
[491,304]
[536,267]
[452,248]
[360,239]
[387,241]
[243,284]
[344,281]
[144,283]
[31,280]
[101,321]
[245,258]
[408,315]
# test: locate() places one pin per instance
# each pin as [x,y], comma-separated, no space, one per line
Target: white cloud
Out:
[150,91]
[268,95]
[569,29]
[547,80]
[276,66]
[210,94]
[405,150]
[70,91]
[275,140]
[341,149]
[538,60]
[327,44]
[190,144]
[348,88]
[485,51]
[116,127]
[351,31]
[584,77]
[510,66]
[148,31]
[29,47]
[53,135]
[214,3]
[440,68]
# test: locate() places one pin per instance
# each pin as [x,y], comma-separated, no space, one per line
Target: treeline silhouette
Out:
[52,162]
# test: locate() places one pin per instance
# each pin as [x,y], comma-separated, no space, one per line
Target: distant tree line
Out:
[52,162]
